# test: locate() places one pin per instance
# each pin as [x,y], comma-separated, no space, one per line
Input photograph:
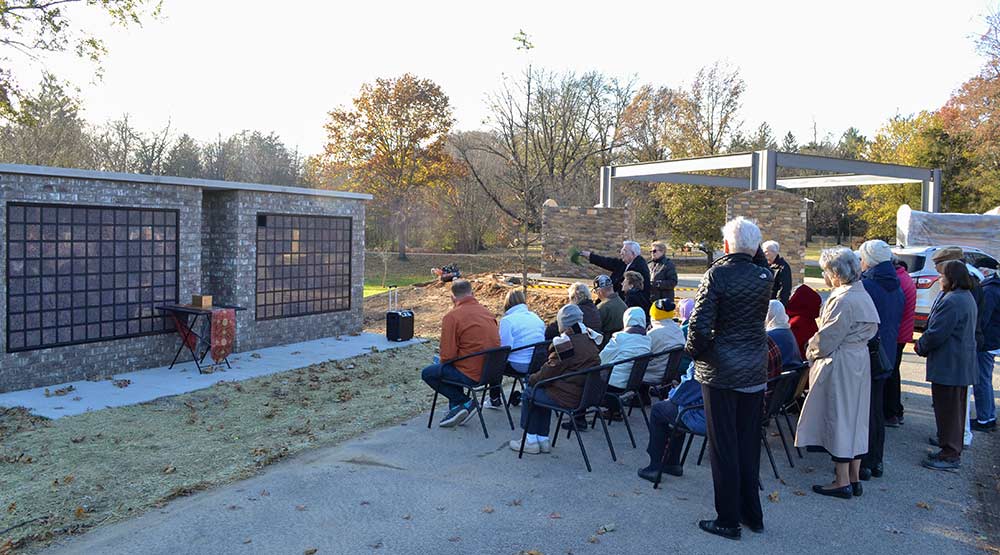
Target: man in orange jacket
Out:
[467,328]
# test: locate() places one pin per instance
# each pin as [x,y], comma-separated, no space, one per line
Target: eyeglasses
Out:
[656,250]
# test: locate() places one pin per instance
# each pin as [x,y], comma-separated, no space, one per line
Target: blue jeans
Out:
[540,417]
[433,375]
[495,388]
[986,409]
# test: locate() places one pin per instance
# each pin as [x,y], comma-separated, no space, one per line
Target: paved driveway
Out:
[408,489]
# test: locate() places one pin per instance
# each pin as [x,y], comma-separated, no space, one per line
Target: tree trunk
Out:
[708,257]
[401,234]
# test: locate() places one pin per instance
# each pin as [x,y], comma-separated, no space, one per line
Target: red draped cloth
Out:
[223,333]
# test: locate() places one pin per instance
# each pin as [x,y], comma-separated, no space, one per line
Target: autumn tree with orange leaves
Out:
[391,143]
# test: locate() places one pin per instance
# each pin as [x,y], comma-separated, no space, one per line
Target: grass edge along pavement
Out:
[66,476]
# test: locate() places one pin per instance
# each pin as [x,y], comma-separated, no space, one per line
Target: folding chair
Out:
[494,364]
[594,387]
[670,373]
[682,428]
[539,354]
[790,401]
[778,387]
[639,365]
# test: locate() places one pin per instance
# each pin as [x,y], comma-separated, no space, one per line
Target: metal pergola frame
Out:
[763,166]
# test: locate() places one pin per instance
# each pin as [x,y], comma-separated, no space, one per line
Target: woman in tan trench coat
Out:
[834,417]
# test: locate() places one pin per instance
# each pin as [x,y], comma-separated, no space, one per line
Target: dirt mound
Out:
[430,301]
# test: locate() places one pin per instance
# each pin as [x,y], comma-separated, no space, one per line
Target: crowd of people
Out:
[745,327]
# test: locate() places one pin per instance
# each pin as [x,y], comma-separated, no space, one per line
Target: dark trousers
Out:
[433,375]
[876,425]
[893,398]
[540,417]
[949,414]
[664,443]
[733,425]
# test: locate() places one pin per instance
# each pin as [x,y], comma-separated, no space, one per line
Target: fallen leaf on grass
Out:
[555,516]
[169,469]
[923,505]
[488,509]
[310,551]
[80,512]
[773,497]
[605,529]
[68,480]
[12,507]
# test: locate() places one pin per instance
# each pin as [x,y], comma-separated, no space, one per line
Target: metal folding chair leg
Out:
[430,419]
[524,434]
[784,444]
[479,411]
[583,449]
[687,448]
[628,427]
[791,429]
[770,456]
[555,436]
[701,454]
[607,437]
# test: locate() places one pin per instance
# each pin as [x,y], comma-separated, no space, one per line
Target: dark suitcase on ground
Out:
[398,322]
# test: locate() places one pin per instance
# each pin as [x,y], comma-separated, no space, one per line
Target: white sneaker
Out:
[529,447]
[488,404]
[545,446]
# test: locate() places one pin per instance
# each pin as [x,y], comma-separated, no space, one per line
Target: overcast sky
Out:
[218,66]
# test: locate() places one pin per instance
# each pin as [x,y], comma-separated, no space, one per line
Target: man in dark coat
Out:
[663,273]
[629,259]
[782,288]
[882,284]
[727,341]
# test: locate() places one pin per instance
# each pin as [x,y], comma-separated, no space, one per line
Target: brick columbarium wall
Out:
[601,230]
[88,255]
[781,217]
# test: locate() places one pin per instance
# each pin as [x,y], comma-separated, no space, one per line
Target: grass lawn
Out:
[374,286]
[813,272]
[64,476]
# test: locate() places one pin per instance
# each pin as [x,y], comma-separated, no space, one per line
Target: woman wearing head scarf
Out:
[575,348]
[632,341]
[779,330]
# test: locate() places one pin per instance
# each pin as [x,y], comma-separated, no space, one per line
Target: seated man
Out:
[666,442]
[467,328]
[611,308]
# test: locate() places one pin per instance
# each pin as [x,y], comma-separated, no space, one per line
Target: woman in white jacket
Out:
[519,326]
[630,342]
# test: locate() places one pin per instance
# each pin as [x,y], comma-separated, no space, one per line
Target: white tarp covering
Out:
[916,228]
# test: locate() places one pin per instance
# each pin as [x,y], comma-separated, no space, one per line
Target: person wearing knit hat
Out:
[574,349]
[684,309]
[941,256]
[879,278]
[664,335]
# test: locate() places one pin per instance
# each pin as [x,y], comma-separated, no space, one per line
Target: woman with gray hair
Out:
[834,417]
[575,348]
[579,294]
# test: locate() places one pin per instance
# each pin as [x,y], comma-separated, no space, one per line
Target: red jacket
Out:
[468,328]
[909,306]
[803,310]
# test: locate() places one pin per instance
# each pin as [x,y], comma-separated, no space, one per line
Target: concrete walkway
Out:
[408,489]
[153,383]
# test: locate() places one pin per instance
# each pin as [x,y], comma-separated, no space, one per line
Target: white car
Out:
[921,269]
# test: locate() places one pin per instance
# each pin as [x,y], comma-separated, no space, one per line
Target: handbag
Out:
[879,362]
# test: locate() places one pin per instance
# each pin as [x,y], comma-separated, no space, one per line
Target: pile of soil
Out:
[430,301]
